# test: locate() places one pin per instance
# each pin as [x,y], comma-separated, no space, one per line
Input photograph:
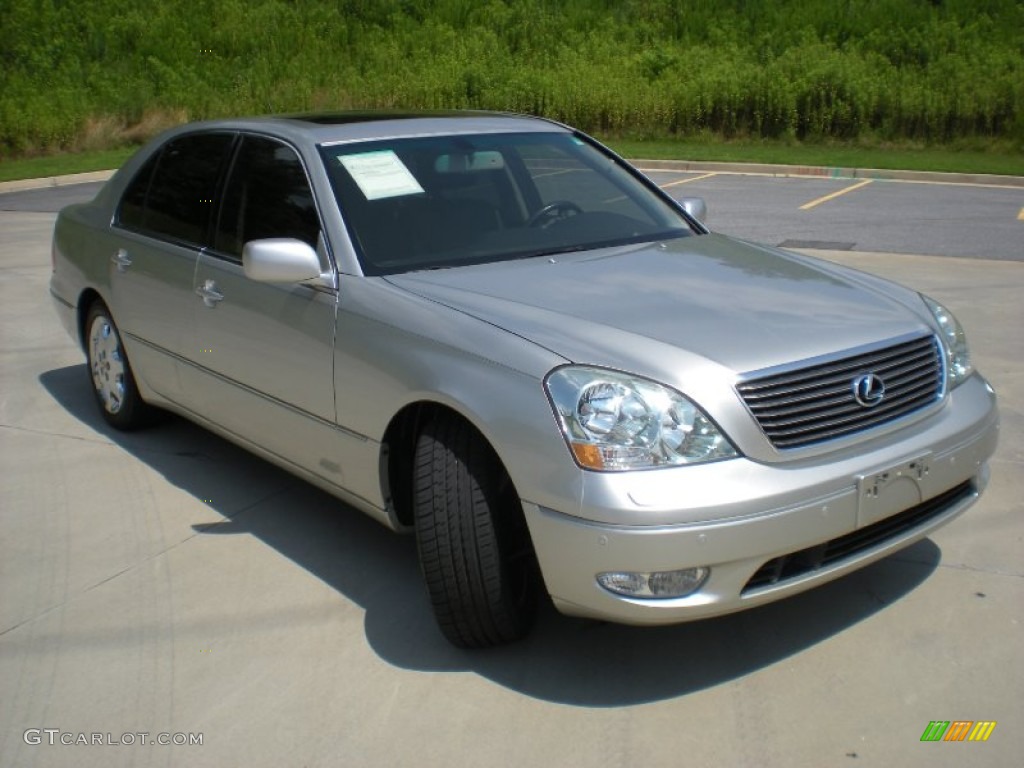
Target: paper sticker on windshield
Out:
[381,174]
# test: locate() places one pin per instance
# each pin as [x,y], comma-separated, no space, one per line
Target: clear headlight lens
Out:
[954,340]
[613,421]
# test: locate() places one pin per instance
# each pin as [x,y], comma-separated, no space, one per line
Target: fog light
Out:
[659,584]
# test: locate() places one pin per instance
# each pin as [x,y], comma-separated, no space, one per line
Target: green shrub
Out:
[809,70]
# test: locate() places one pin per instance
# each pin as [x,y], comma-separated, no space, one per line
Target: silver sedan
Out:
[491,331]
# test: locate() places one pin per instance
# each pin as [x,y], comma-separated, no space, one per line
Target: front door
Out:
[262,365]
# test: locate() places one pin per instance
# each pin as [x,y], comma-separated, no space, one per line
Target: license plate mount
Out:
[892,490]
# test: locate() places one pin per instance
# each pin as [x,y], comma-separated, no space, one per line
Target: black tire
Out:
[110,374]
[474,548]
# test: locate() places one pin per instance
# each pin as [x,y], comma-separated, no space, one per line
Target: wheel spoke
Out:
[108,369]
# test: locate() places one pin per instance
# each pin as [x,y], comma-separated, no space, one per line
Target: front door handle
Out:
[121,260]
[209,294]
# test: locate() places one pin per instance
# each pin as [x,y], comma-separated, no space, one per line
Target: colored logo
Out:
[958,730]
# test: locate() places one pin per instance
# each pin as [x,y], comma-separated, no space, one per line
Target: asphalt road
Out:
[962,220]
[168,582]
[50,199]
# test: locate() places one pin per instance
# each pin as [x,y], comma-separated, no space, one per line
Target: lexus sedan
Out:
[491,331]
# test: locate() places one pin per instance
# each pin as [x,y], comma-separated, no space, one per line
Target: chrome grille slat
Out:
[816,403]
[836,377]
[799,406]
[850,407]
[882,412]
[879,415]
[837,370]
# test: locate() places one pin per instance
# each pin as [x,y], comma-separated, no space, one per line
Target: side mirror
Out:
[696,207]
[280,260]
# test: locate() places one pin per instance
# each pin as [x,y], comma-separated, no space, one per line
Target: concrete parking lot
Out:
[167,583]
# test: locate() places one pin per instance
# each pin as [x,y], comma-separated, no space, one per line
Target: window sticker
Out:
[381,174]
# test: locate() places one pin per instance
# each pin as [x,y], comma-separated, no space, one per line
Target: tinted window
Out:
[173,194]
[133,204]
[267,195]
[449,201]
[563,172]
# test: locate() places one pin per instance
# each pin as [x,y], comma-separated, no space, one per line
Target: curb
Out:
[769,169]
[750,169]
[23,185]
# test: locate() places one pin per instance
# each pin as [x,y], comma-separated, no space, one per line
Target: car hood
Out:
[652,308]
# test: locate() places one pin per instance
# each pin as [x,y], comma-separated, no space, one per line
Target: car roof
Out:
[340,127]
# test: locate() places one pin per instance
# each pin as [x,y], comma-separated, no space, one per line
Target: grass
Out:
[997,161]
[59,165]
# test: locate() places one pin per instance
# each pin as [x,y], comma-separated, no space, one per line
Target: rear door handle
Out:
[121,260]
[209,294]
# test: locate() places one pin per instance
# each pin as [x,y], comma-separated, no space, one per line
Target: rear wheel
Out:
[474,548]
[111,375]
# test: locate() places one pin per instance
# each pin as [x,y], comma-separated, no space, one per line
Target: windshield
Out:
[446,201]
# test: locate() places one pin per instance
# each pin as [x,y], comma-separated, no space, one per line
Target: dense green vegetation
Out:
[91,75]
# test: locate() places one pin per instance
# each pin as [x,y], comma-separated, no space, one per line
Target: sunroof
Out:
[343,118]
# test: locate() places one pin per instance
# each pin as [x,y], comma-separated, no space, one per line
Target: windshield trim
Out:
[658,237]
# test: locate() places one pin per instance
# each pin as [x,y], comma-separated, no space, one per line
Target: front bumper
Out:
[763,530]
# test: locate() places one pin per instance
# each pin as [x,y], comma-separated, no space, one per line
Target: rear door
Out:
[163,220]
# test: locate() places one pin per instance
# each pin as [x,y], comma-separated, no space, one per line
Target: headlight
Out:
[954,340]
[613,421]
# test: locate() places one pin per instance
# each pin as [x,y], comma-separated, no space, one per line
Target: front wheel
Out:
[112,381]
[474,548]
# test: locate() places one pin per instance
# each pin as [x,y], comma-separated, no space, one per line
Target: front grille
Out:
[809,405]
[797,564]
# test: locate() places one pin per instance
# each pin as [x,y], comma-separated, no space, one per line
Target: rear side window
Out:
[173,194]
[267,195]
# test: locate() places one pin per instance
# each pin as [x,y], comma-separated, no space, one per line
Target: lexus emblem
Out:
[868,390]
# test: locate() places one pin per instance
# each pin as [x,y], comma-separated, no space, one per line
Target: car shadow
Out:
[565,660]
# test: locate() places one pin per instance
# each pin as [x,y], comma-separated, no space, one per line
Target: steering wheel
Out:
[552,212]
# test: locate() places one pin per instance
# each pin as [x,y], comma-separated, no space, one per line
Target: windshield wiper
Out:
[556,251]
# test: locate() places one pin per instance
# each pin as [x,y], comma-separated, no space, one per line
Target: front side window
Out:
[173,194]
[267,195]
[447,201]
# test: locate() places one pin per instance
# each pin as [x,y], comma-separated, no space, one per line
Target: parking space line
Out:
[687,181]
[834,195]
[666,186]
[1020,216]
[554,172]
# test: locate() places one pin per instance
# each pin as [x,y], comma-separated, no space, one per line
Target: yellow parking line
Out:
[687,181]
[834,195]
[1020,216]
[556,172]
